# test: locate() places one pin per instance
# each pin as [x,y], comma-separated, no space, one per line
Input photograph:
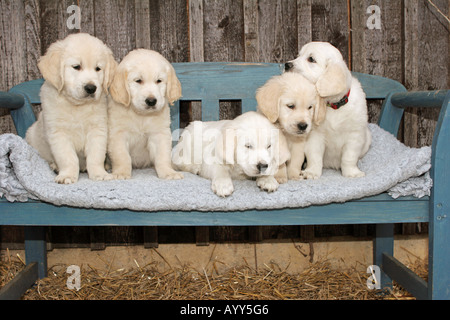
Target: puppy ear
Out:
[267,98]
[110,69]
[334,80]
[320,111]
[226,145]
[51,65]
[119,87]
[173,86]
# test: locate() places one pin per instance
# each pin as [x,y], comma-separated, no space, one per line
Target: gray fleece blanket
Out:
[389,165]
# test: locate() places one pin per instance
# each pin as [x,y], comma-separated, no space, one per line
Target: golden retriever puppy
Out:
[244,148]
[291,102]
[71,131]
[344,136]
[144,85]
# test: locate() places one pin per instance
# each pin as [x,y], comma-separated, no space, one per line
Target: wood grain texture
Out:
[412,47]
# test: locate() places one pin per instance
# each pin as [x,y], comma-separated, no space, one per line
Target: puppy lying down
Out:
[248,147]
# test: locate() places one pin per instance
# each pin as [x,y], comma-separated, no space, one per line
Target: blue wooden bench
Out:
[211,83]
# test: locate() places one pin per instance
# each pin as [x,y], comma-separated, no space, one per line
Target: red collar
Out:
[340,103]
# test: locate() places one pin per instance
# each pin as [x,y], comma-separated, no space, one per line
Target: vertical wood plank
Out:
[143,24]
[196,48]
[223,30]
[13,59]
[53,21]
[304,23]
[277,39]
[114,24]
[329,23]
[426,64]
[33,40]
[87,24]
[169,30]
[251,27]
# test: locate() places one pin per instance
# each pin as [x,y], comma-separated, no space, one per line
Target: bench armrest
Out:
[21,110]
[11,101]
[395,103]
[419,99]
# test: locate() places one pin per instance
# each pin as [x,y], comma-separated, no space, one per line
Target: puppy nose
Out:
[302,126]
[262,167]
[288,66]
[151,102]
[90,88]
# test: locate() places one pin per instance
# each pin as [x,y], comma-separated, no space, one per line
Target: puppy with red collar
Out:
[343,138]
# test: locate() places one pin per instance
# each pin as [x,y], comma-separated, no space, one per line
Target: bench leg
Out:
[36,249]
[383,243]
[439,255]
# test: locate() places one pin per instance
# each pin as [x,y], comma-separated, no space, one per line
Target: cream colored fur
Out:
[71,130]
[291,102]
[244,148]
[343,138]
[139,131]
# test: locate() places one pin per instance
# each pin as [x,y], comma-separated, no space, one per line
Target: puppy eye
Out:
[97,69]
[311,60]
[310,107]
[291,106]
[249,146]
[269,146]
[138,81]
[158,81]
[77,67]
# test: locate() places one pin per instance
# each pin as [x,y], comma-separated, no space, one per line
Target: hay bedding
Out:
[319,282]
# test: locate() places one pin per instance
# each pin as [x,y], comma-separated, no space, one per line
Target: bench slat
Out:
[354,212]
[210,110]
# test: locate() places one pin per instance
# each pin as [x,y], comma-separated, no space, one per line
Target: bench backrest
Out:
[209,83]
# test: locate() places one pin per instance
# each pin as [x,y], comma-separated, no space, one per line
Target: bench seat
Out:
[211,83]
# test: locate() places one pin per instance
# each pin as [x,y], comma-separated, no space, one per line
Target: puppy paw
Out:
[66,178]
[119,175]
[295,175]
[353,172]
[101,177]
[281,179]
[281,176]
[310,175]
[173,175]
[222,187]
[268,183]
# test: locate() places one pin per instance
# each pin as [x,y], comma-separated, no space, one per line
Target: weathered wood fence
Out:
[406,40]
